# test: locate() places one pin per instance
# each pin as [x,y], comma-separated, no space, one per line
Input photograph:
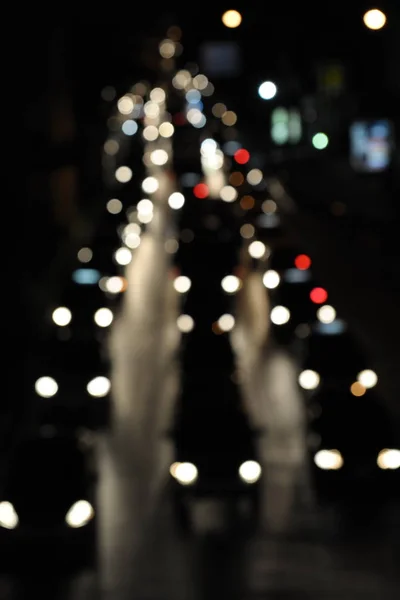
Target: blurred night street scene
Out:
[202,307]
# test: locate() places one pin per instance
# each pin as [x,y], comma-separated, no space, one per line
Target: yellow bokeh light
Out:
[357,389]
[374,19]
[229,118]
[232,19]
[219,109]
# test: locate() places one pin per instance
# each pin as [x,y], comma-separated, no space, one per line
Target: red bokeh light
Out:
[318,295]
[302,262]
[200,190]
[179,119]
[242,156]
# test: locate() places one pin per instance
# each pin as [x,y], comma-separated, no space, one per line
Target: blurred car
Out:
[352,448]
[215,450]
[47,507]
[75,374]
[289,281]
[336,360]
[212,253]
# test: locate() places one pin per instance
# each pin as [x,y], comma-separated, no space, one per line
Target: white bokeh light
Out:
[389,459]
[114,284]
[185,323]
[226,322]
[280,315]
[257,249]
[159,157]
[271,279]
[125,105]
[309,380]
[374,19]
[228,193]
[99,387]
[186,473]
[254,177]
[150,133]
[166,130]
[329,460]
[250,471]
[326,314]
[157,95]
[46,387]
[150,185]
[182,284]
[103,317]
[145,207]
[230,284]
[123,174]
[267,90]
[123,256]
[176,200]
[367,378]
[62,316]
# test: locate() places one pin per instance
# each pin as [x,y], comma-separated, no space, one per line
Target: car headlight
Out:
[99,387]
[329,460]
[389,459]
[250,471]
[185,473]
[8,516]
[79,514]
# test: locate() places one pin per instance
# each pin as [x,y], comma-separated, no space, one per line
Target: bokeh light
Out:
[62,316]
[242,156]
[374,19]
[232,19]
[201,190]
[318,295]
[302,262]
[267,90]
[320,141]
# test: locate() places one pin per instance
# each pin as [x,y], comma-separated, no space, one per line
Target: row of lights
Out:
[373,19]
[332,460]
[98,387]
[62,316]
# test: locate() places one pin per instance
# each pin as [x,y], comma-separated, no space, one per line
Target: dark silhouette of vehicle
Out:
[215,447]
[48,506]
[353,451]
[81,368]
[336,358]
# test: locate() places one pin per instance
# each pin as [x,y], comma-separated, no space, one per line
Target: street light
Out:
[267,90]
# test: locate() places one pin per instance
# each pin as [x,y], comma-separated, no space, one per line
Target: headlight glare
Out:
[79,514]
[329,460]
[185,473]
[250,471]
[8,516]
[389,459]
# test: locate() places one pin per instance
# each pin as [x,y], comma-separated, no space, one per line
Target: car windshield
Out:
[51,464]
[335,354]
[230,434]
